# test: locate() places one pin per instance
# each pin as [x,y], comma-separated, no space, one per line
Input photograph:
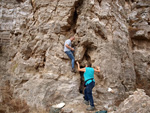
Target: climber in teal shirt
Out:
[89,84]
[89,75]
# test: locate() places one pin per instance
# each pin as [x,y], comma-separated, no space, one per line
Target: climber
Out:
[89,84]
[70,51]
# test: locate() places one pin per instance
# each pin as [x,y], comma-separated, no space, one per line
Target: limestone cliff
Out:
[112,34]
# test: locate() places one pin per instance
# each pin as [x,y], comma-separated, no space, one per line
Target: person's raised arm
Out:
[97,69]
[80,69]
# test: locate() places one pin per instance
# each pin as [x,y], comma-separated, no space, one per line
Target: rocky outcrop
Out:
[111,34]
[139,102]
[139,21]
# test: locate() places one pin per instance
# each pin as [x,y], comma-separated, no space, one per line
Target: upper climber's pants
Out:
[88,93]
[70,55]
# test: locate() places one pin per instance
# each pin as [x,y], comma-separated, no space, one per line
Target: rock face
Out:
[139,21]
[139,102]
[112,34]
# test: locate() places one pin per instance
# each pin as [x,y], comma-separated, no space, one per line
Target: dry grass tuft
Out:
[8,103]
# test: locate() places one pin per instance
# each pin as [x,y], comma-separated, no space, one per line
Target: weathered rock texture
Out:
[139,102]
[112,34]
[139,21]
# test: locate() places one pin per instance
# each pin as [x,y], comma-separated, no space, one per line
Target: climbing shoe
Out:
[86,102]
[91,108]
[73,70]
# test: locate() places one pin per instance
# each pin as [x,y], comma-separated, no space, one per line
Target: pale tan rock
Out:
[138,102]
[111,34]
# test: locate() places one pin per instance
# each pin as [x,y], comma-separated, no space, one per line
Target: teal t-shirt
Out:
[88,74]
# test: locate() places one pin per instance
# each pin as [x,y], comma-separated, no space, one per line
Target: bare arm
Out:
[97,69]
[69,47]
[80,69]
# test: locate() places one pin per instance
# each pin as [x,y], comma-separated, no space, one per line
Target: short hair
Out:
[88,64]
[72,37]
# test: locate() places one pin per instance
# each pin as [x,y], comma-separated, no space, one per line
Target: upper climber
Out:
[69,50]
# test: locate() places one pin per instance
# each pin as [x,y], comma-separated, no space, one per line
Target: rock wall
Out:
[139,21]
[137,102]
[111,34]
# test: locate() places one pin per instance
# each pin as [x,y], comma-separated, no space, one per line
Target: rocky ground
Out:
[112,34]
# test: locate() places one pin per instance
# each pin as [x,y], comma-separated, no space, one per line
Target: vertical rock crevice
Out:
[81,87]
[72,20]
[86,60]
